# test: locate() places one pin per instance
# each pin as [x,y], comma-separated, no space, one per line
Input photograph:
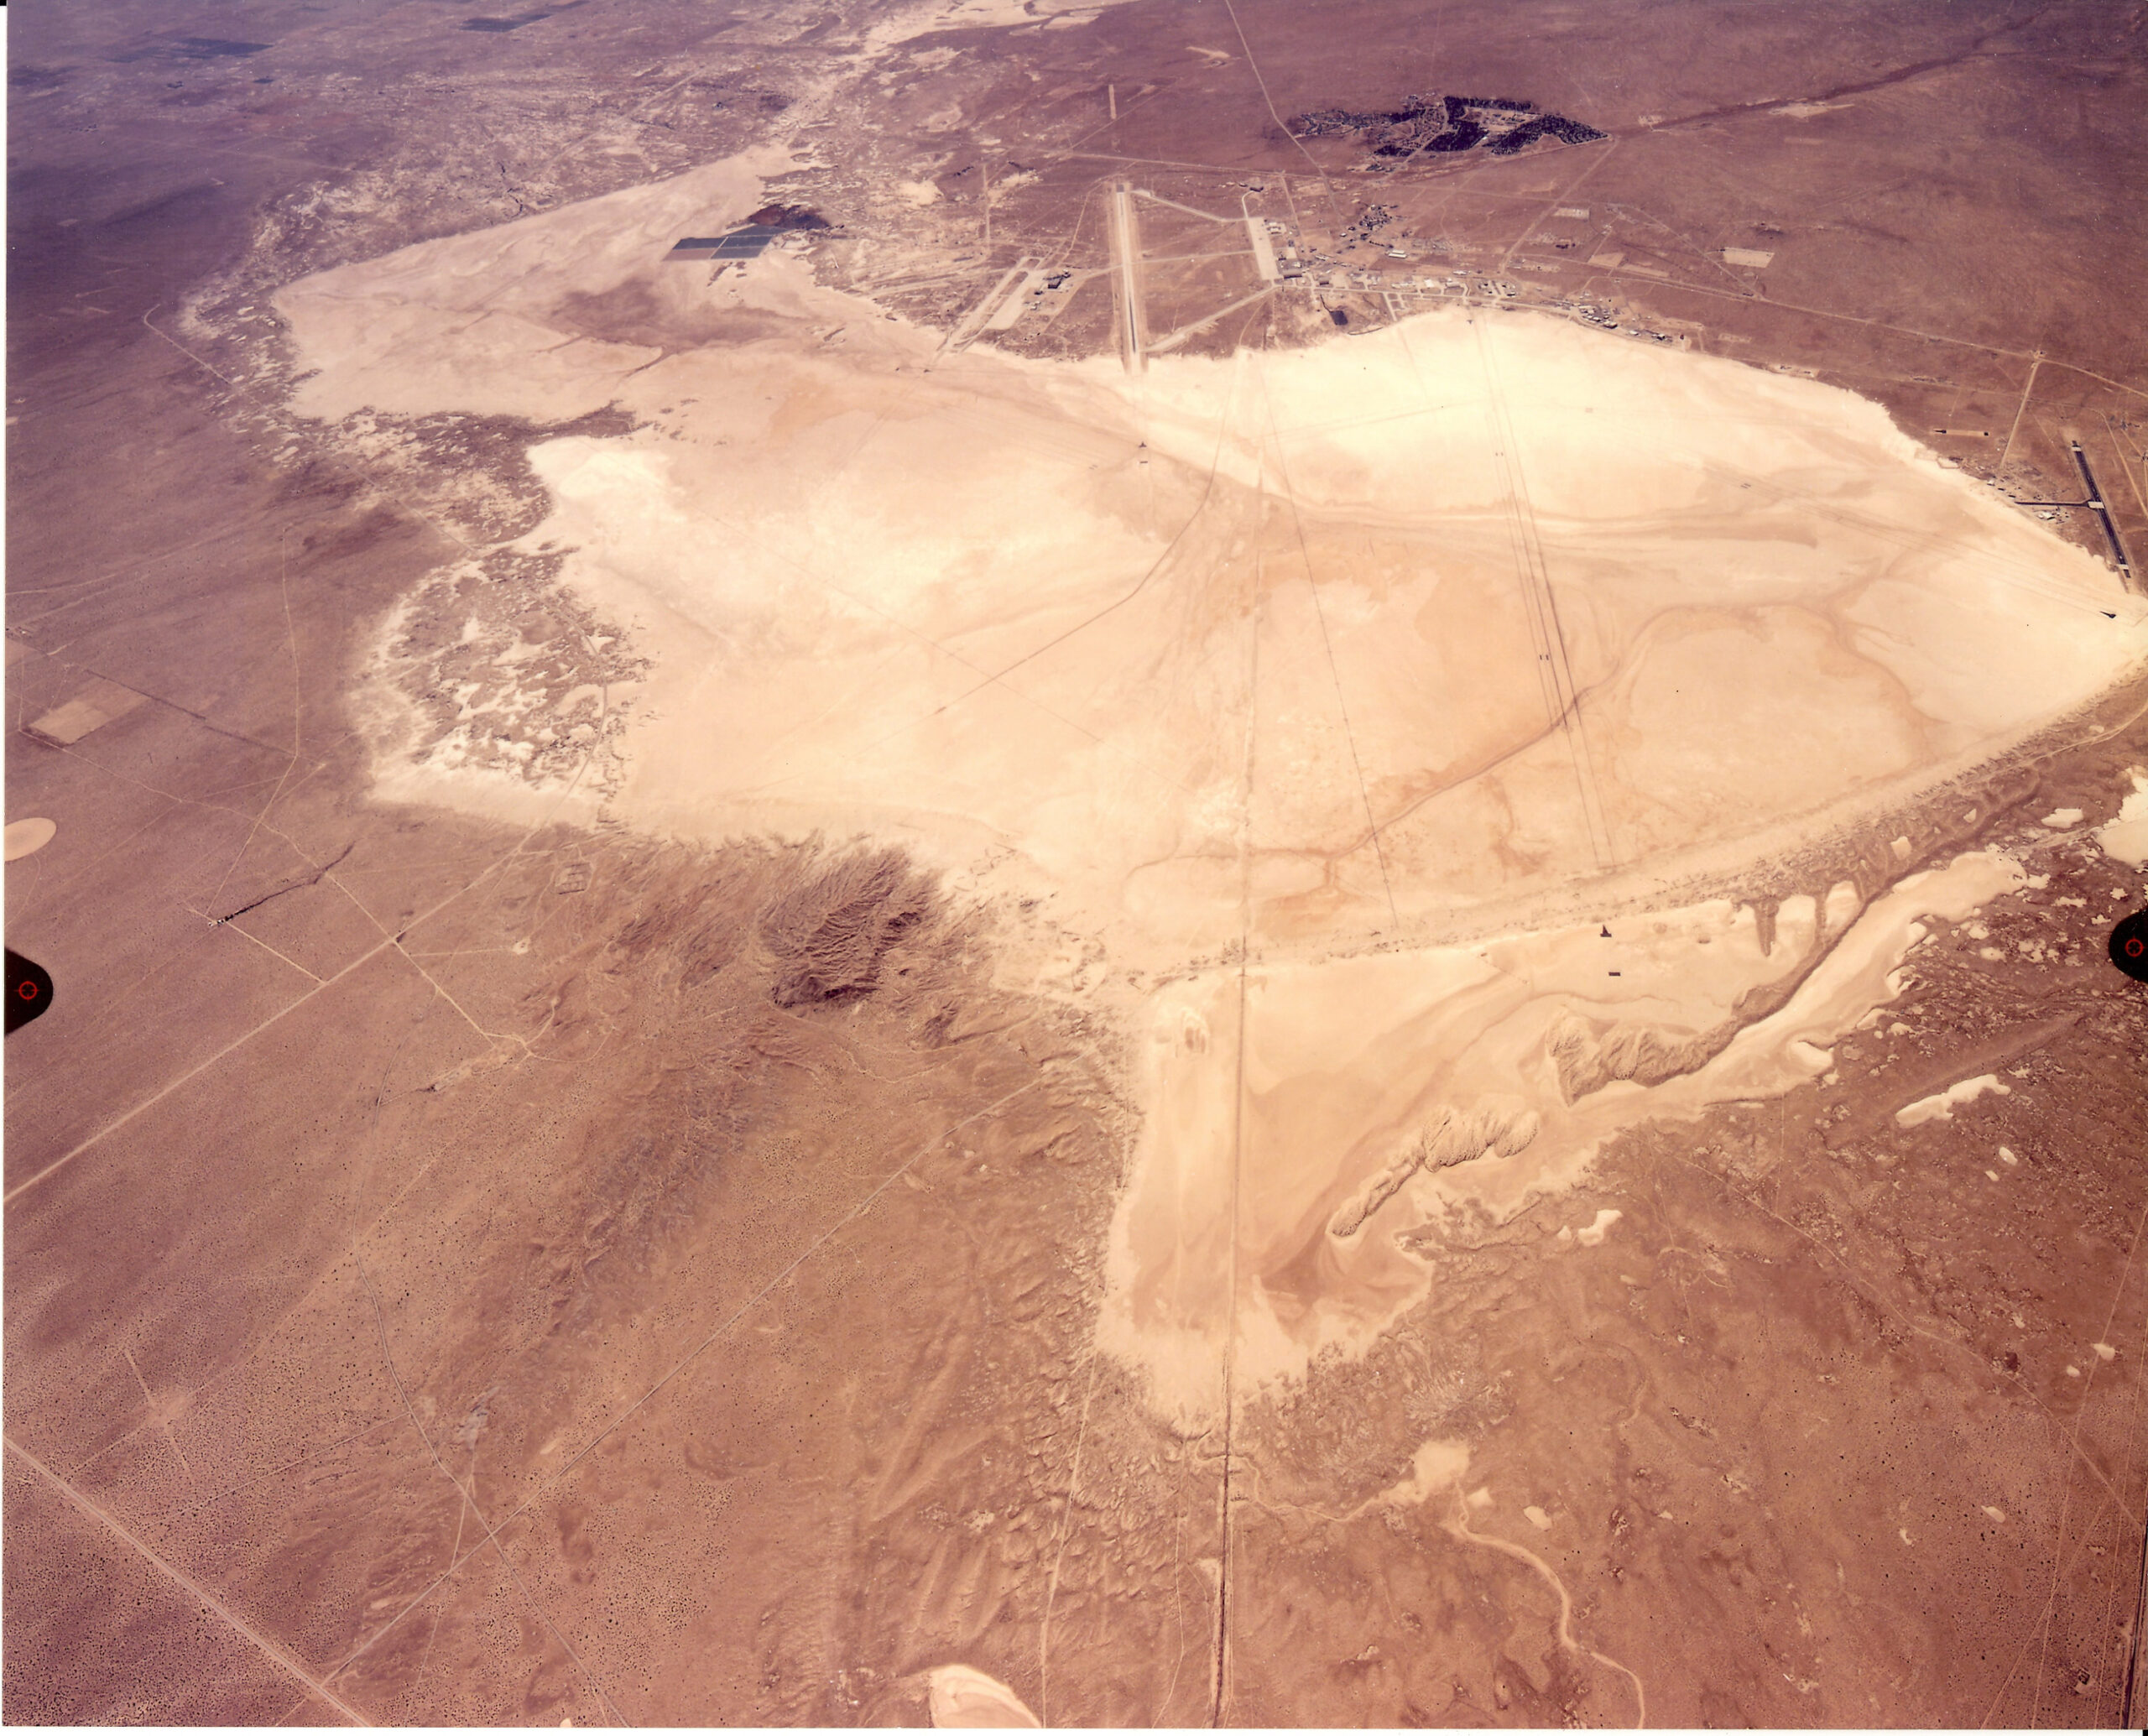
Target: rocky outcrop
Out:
[1492,1127]
[1591,1054]
[828,934]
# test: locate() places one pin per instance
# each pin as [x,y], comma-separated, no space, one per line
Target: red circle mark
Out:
[2133,945]
[27,991]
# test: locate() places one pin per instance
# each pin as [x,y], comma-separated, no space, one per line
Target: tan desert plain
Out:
[1338,700]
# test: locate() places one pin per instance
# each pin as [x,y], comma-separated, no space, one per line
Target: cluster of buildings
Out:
[1317,270]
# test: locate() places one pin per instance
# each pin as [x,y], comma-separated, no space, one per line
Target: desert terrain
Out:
[1142,863]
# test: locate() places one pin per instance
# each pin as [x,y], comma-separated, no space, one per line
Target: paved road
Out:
[1126,258]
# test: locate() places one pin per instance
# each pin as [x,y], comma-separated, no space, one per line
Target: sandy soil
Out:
[967,1699]
[1299,651]
[1195,644]
[1328,1141]
[1331,1135]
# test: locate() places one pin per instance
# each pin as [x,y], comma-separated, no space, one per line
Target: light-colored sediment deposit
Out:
[26,837]
[1269,658]
[962,1698]
[1334,1132]
[1940,1106]
[2126,838]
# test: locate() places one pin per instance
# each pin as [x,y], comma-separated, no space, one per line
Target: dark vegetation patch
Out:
[1445,125]
[787,217]
[1550,126]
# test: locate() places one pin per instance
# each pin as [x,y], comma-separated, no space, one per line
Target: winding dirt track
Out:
[1458,1528]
